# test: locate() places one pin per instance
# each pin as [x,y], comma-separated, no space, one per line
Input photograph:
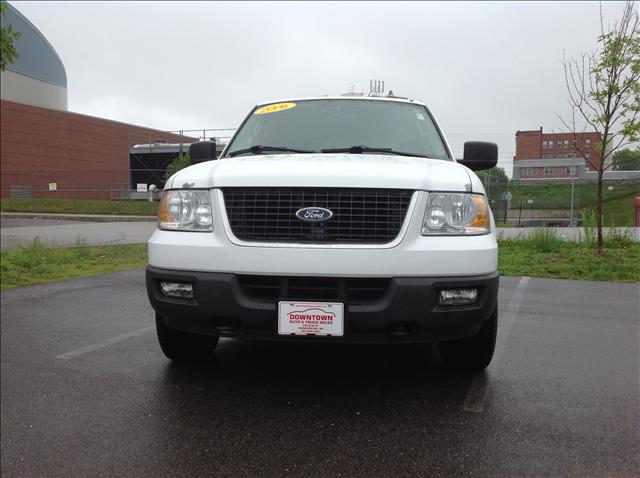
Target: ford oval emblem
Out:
[313,214]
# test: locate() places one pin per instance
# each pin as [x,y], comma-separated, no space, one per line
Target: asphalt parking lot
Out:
[87,392]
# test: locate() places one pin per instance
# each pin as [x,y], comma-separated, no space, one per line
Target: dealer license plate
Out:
[311,318]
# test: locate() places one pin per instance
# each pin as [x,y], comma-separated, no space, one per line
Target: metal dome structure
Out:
[37,77]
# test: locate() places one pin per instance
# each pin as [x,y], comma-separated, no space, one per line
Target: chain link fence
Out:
[105,184]
[522,204]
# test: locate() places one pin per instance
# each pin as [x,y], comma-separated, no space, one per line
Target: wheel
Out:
[472,354]
[183,346]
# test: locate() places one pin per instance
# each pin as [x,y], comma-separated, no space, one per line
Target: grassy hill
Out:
[619,209]
[558,196]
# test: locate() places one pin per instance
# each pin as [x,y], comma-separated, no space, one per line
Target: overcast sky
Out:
[484,69]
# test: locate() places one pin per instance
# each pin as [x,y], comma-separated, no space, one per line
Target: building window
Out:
[545,145]
[548,171]
[566,143]
[574,142]
[587,143]
[570,171]
[559,143]
[527,172]
[550,156]
[544,155]
[587,155]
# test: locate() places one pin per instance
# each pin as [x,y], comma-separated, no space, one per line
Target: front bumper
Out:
[398,309]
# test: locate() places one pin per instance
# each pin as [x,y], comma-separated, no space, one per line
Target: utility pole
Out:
[573,182]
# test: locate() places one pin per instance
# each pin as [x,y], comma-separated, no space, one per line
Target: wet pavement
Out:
[86,391]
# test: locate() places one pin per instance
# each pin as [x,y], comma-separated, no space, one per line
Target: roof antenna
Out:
[376,87]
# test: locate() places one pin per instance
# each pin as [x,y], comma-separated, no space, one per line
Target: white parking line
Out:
[106,343]
[477,394]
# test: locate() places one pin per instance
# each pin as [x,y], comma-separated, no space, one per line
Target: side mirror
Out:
[479,155]
[202,151]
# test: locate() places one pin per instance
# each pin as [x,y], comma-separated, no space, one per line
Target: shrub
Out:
[618,238]
[177,164]
[545,240]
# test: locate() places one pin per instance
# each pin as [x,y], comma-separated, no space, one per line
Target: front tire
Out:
[472,354]
[182,346]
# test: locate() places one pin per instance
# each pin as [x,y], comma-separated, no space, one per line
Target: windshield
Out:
[314,125]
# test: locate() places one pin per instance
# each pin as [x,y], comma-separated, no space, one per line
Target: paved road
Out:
[16,232]
[22,231]
[33,222]
[86,392]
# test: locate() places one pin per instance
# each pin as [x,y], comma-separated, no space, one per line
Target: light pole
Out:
[572,170]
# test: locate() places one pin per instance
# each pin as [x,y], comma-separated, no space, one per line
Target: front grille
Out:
[360,216]
[351,289]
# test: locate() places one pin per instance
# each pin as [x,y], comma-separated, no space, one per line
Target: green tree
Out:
[177,164]
[626,160]
[495,182]
[496,173]
[604,89]
[8,53]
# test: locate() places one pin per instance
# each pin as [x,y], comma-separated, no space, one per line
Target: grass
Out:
[541,255]
[558,195]
[618,204]
[620,212]
[80,206]
[39,263]
[545,255]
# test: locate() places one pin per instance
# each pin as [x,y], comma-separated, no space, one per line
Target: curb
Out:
[78,217]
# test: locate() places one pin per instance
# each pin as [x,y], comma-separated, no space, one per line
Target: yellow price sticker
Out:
[274,108]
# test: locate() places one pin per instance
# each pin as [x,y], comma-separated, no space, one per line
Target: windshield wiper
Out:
[260,148]
[367,149]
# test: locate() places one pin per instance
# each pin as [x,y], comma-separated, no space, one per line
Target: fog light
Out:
[457,296]
[177,289]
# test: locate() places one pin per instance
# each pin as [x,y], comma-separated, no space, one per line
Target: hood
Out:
[327,170]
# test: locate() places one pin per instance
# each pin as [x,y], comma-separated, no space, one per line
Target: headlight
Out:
[456,214]
[185,210]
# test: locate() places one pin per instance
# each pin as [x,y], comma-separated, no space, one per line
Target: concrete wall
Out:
[87,157]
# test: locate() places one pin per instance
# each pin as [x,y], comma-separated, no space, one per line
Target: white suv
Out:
[329,220]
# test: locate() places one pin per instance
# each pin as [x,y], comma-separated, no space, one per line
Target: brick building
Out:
[63,154]
[554,156]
